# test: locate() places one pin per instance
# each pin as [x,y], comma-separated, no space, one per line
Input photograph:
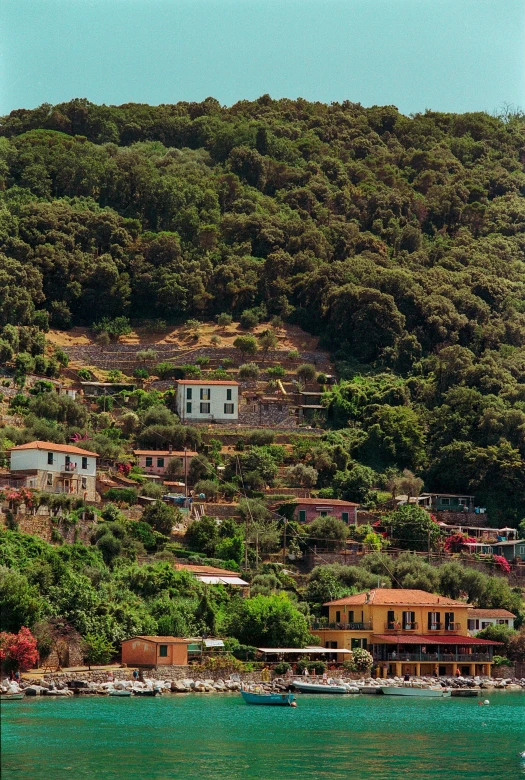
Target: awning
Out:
[214,580]
[414,639]
[303,650]
[213,643]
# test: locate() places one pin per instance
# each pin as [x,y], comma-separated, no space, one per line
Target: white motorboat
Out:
[429,692]
[309,687]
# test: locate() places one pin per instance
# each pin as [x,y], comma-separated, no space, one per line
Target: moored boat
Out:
[412,690]
[332,688]
[122,692]
[275,699]
[11,696]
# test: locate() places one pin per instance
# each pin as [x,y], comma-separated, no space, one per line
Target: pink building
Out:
[156,461]
[308,509]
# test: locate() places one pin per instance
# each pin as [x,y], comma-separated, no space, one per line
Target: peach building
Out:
[154,651]
[156,461]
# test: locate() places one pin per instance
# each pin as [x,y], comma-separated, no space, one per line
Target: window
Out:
[409,621]
[355,642]
[160,463]
[391,619]
[445,501]
[163,651]
[229,408]
[323,513]
[188,393]
[49,458]
[302,515]
[462,502]
[49,480]
[472,624]
[345,517]
[205,408]
[350,617]
[449,621]
[188,407]
[84,462]
[338,617]
[228,395]
[434,621]
[205,394]
[84,483]
[149,462]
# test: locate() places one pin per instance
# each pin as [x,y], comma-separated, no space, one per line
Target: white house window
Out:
[188,407]
[49,480]
[49,458]
[205,394]
[229,395]
[229,408]
[205,408]
[84,462]
[188,393]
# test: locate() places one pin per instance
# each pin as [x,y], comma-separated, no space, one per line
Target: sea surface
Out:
[191,736]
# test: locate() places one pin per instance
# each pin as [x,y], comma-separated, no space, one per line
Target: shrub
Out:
[160,516]
[227,362]
[224,319]
[293,354]
[122,495]
[84,375]
[114,328]
[208,487]
[152,490]
[249,371]
[321,379]
[276,372]
[247,345]
[281,668]
[189,371]
[260,438]
[141,373]
[146,354]
[249,319]
[165,370]
[215,340]
[202,360]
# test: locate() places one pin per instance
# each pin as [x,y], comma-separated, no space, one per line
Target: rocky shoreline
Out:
[102,683]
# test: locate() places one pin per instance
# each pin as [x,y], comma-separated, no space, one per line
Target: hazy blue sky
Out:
[450,55]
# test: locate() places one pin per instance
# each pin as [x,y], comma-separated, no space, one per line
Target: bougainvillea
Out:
[502,563]
[18,652]
[458,542]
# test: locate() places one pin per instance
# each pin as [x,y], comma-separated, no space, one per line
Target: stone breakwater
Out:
[103,683]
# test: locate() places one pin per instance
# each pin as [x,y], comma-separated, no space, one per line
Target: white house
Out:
[207,401]
[56,468]
[478,619]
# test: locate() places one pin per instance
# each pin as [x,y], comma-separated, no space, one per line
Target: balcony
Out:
[320,625]
[436,657]
[399,626]
[69,468]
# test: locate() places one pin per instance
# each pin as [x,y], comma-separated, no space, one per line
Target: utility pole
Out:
[284,540]
[185,473]
[246,545]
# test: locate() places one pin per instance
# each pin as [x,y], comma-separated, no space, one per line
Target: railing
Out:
[70,468]
[448,657]
[400,626]
[318,625]
[452,626]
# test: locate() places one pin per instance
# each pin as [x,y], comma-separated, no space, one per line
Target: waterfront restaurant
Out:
[407,632]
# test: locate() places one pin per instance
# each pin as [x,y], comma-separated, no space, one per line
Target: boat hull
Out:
[271,699]
[305,687]
[11,696]
[428,693]
[119,694]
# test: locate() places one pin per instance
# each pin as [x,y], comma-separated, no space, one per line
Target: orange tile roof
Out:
[163,453]
[205,382]
[396,597]
[160,639]
[50,445]
[490,613]
[426,639]
[324,502]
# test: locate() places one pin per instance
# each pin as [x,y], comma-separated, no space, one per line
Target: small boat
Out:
[11,696]
[117,692]
[413,690]
[147,692]
[275,699]
[308,687]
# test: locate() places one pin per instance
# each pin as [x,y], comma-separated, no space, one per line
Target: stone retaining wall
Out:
[164,673]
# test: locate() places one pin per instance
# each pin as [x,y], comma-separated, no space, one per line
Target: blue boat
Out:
[275,699]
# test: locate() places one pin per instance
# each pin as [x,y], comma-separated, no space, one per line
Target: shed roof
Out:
[324,502]
[490,613]
[161,640]
[51,445]
[508,544]
[303,650]
[396,597]
[164,453]
[206,382]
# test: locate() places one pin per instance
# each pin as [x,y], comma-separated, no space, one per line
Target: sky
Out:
[445,55]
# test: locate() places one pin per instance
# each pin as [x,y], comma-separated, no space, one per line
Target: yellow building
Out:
[407,632]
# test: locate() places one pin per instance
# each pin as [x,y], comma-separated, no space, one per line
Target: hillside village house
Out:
[478,619]
[56,468]
[211,575]
[212,401]
[407,632]
[308,509]
[510,550]
[156,461]
[153,651]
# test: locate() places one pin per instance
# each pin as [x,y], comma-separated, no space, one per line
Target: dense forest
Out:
[399,241]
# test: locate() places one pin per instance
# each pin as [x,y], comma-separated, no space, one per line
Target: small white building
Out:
[478,619]
[211,401]
[56,468]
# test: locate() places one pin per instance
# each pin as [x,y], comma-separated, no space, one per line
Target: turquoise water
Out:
[221,738]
